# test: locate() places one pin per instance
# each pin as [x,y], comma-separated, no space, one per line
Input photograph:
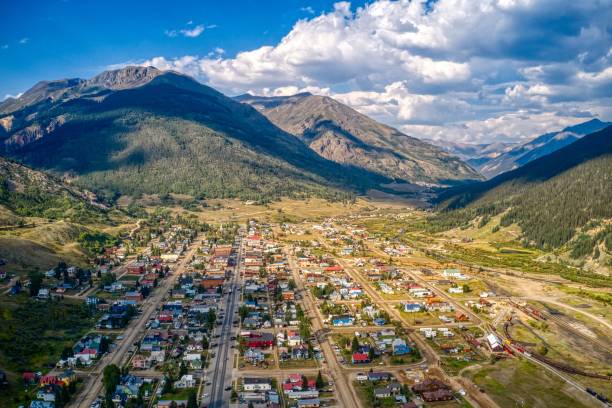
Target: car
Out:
[233,338]
[208,383]
[228,388]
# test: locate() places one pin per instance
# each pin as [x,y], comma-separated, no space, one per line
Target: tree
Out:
[192,401]
[466,288]
[355,345]
[36,280]
[319,381]
[111,377]
[183,369]
[371,354]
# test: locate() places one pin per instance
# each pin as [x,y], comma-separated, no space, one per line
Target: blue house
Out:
[42,404]
[380,321]
[412,307]
[400,347]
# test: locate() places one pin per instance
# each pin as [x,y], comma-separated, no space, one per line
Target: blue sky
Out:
[51,39]
[462,70]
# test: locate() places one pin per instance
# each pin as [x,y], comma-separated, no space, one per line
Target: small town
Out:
[306,204]
[260,314]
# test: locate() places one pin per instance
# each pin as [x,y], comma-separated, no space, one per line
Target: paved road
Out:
[93,385]
[223,363]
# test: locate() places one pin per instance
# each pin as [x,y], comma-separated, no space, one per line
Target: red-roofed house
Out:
[360,358]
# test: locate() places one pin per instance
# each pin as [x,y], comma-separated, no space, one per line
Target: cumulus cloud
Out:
[460,68]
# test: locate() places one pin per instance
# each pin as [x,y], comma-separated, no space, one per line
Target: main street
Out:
[216,396]
[93,385]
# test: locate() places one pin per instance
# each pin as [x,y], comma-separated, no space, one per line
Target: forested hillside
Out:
[28,193]
[551,198]
[166,133]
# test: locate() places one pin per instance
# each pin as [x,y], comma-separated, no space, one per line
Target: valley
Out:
[163,245]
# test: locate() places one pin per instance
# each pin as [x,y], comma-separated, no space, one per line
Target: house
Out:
[254,356]
[43,293]
[412,307]
[379,376]
[308,403]
[343,321]
[382,392]
[455,289]
[186,381]
[361,377]
[136,268]
[380,321]
[140,362]
[400,347]
[137,296]
[360,358]
[438,395]
[494,342]
[29,378]
[47,393]
[259,340]
[92,300]
[257,384]
[42,404]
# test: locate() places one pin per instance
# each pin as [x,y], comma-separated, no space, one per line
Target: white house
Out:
[186,381]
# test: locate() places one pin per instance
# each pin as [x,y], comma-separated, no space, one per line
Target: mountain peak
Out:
[124,78]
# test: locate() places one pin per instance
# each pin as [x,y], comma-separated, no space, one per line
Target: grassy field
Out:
[286,210]
[514,383]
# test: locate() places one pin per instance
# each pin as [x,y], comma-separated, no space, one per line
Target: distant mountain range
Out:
[139,130]
[550,198]
[496,158]
[343,135]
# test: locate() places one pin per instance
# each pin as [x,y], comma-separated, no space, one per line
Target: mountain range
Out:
[343,135]
[139,130]
[551,198]
[496,158]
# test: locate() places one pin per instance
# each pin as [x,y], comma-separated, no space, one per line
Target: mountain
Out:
[538,147]
[139,130]
[474,154]
[341,134]
[28,193]
[551,198]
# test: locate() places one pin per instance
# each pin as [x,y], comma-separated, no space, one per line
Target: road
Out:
[223,363]
[93,386]
[432,358]
[346,392]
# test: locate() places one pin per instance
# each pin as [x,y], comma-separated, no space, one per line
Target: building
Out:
[257,384]
[360,358]
[400,347]
[343,321]
[259,340]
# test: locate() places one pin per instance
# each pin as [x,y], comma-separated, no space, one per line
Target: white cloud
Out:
[12,96]
[24,40]
[194,32]
[190,32]
[453,66]
[307,9]
[4,46]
